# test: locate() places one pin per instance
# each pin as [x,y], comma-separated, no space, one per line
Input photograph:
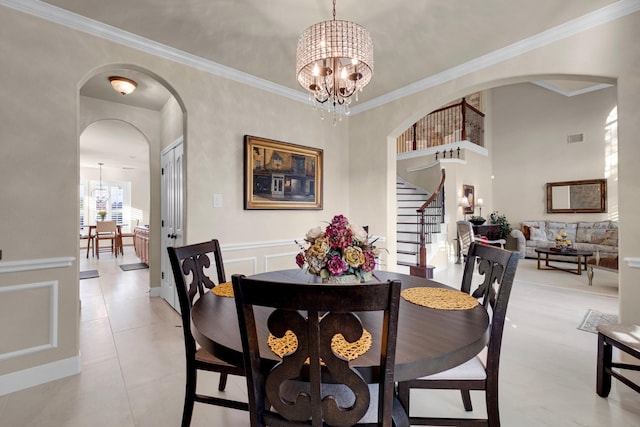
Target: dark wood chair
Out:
[626,338]
[312,385]
[498,268]
[195,260]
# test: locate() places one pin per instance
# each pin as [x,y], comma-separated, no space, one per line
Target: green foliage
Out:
[500,219]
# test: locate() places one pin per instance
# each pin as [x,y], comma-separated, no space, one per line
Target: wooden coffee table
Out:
[581,255]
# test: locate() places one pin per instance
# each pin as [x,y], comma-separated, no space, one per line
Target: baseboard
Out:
[20,380]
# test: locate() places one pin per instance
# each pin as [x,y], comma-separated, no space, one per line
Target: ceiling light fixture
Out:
[123,85]
[334,60]
[100,194]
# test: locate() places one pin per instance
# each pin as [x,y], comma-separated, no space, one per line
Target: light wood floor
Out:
[133,361]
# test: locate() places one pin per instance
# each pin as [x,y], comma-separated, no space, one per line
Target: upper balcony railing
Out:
[446,125]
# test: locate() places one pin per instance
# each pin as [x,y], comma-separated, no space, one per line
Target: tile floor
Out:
[133,362]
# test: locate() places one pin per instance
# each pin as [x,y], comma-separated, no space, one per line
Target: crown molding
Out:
[89,26]
[570,93]
[593,19]
[78,22]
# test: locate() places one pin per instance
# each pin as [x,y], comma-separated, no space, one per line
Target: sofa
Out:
[600,237]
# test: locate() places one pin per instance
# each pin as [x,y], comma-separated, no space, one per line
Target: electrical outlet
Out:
[217,200]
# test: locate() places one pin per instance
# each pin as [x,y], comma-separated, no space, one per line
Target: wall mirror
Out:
[586,196]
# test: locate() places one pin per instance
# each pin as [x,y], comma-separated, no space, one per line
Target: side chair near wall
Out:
[311,385]
[190,265]
[466,237]
[498,268]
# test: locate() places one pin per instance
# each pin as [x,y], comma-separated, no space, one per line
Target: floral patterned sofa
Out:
[599,237]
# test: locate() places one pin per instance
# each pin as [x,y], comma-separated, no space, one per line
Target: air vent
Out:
[576,137]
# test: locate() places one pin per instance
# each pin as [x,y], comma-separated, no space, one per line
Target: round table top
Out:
[429,340]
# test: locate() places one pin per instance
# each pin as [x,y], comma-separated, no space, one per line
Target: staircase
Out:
[409,200]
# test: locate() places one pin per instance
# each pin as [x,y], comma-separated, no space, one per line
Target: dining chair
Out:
[195,261]
[106,230]
[466,237]
[497,268]
[312,384]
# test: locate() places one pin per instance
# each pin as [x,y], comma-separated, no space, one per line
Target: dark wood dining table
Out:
[429,340]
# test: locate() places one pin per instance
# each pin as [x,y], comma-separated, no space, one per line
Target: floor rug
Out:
[137,266]
[594,318]
[89,274]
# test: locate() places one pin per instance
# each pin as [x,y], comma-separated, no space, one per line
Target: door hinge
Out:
[162,274]
[162,223]
[162,171]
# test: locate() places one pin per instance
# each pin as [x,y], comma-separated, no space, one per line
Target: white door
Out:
[172,216]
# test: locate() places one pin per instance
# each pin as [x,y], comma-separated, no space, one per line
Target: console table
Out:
[490,231]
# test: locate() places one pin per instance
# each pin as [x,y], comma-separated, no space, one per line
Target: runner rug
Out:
[137,266]
[594,318]
[89,274]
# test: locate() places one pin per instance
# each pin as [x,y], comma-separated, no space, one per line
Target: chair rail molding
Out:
[35,264]
[633,262]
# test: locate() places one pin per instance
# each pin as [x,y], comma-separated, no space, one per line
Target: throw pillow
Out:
[526,231]
[608,237]
[537,234]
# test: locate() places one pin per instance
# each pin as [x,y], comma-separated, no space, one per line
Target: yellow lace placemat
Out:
[350,351]
[439,298]
[224,290]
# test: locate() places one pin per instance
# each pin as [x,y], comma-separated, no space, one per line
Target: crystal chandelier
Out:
[100,194]
[334,61]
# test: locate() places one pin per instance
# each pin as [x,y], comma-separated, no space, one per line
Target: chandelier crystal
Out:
[334,61]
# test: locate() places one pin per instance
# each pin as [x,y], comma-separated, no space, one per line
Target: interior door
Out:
[172,215]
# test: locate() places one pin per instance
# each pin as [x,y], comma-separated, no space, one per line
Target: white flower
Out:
[313,234]
[358,233]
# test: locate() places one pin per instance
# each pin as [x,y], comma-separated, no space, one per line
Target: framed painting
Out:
[584,196]
[279,175]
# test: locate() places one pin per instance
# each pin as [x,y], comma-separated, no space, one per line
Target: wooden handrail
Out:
[435,194]
[422,251]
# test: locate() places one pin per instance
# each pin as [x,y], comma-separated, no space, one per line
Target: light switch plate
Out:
[217,200]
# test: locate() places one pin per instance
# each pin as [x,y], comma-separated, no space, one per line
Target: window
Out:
[118,207]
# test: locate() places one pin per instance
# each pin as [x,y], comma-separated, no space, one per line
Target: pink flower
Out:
[339,236]
[336,266]
[369,261]
[340,220]
[300,259]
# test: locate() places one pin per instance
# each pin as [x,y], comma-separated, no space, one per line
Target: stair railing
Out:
[435,202]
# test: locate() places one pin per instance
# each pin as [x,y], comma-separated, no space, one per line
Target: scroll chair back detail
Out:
[189,265]
[497,267]
[312,385]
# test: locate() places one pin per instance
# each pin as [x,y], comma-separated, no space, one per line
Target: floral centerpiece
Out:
[102,214]
[562,242]
[341,253]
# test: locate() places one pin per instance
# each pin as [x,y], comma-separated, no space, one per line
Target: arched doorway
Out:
[157,113]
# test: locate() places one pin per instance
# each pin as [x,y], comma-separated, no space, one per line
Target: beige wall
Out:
[530,126]
[39,129]
[40,123]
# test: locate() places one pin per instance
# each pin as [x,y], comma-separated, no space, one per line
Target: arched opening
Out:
[116,126]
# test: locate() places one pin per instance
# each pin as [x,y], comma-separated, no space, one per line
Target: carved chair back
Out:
[297,388]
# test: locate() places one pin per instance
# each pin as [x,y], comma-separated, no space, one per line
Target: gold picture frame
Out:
[280,175]
[583,196]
